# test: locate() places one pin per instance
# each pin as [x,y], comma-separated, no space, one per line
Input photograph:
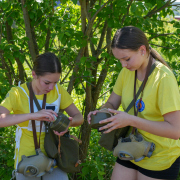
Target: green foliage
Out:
[99,162]
[7,143]
[4,84]
[67,40]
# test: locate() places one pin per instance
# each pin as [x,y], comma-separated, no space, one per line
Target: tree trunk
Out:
[21,72]
[32,47]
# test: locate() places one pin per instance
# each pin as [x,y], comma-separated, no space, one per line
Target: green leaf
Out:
[15,48]
[64,39]
[74,1]
[88,64]
[83,60]
[110,23]
[67,33]
[25,38]
[133,7]
[4,5]
[61,36]
[84,43]
[10,162]
[86,73]
[101,173]
[93,58]
[100,177]
[111,62]
[79,91]
[178,31]
[94,40]
[31,15]
[16,54]
[85,170]
[9,56]
[73,42]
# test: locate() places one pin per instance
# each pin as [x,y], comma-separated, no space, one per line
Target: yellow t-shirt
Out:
[160,96]
[17,101]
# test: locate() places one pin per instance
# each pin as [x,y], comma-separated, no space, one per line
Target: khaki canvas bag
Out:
[110,140]
[67,156]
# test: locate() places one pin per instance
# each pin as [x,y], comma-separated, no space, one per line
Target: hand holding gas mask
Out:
[99,116]
[61,124]
[133,147]
[39,164]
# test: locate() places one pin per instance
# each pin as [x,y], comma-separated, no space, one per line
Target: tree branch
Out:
[75,70]
[161,46]
[66,75]
[83,15]
[155,11]
[48,36]
[90,23]
[123,19]
[158,35]
[28,31]
[102,35]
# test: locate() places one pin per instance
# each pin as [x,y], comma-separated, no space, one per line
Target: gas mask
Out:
[95,119]
[61,123]
[133,147]
[36,165]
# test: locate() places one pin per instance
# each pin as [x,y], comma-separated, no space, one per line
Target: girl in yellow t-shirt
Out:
[46,74]
[158,119]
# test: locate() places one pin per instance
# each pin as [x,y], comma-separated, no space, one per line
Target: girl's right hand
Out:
[44,115]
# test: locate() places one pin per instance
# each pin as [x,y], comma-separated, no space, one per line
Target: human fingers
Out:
[89,115]
[57,133]
[108,123]
[110,129]
[63,132]
[60,133]
[106,120]
[50,117]
[114,111]
[105,110]
[50,114]
[50,111]
[70,123]
[115,122]
[44,116]
[70,118]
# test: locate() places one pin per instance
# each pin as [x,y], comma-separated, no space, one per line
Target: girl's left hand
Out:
[63,132]
[119,120]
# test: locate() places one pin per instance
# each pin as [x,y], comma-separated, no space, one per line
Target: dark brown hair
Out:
[47,63]
[130,37]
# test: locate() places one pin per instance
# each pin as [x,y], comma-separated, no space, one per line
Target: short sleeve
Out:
[168,95]
[119,84]
[66,99]
[10,99]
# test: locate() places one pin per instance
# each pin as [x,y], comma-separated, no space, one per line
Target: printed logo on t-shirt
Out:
[50,107]
[141,105]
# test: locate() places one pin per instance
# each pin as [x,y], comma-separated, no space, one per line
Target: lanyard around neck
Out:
[144,83]
[32,96]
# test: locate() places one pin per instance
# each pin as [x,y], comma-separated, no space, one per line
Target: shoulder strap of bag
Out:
[144,83]
[141,87]
[33,97]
